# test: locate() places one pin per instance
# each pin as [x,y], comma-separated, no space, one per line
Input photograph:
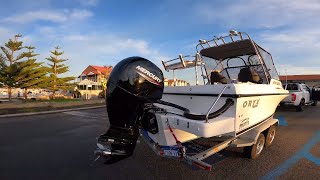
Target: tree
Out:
[2,64]
[8,74]
[32,74]
[104,85]
[58,68]
[9,68]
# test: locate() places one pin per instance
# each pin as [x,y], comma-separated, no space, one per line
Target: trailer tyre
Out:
[271,133]
[299,108]
[255,150]
[314,103]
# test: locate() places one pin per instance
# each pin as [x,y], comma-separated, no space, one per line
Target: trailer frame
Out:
[246,138]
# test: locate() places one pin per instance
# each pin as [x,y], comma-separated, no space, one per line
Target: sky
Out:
[96,32]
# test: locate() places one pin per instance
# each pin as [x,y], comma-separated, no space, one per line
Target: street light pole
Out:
[286,78]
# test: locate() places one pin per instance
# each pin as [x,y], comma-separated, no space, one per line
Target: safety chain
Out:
[179,144]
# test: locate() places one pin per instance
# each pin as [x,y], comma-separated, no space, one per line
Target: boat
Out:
[236,91]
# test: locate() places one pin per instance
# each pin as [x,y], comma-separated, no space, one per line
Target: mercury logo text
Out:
[147,73]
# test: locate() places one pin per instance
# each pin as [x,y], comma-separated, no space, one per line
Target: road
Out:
[60,146]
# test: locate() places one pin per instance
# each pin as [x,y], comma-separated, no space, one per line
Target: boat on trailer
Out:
[234,102]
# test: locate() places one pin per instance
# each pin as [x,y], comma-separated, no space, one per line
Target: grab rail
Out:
[215,102]
[222,40]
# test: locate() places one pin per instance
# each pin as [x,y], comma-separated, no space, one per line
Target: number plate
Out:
[171,151]
[174,153]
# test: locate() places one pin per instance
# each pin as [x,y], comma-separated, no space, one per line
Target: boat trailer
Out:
[193,157]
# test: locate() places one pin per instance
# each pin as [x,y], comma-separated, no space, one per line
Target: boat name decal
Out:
[251,103]
[148,75]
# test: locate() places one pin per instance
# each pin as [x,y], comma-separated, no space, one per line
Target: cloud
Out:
[56,16]
[288,29]
[89,2]
[108,44]
[28,17]
[258,13]
[6,33]
[46,30]
[299,47]
[80,14]
[27,40]
[96,48]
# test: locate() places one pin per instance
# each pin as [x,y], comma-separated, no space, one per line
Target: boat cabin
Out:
[232,58]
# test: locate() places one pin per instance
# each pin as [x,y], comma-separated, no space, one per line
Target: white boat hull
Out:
[253,103]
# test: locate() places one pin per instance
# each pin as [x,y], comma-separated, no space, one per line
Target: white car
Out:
[300,95]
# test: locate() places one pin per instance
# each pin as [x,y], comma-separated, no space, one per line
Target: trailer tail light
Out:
[293,97]
[202,166]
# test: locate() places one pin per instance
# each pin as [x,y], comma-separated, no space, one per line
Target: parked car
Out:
[300,95]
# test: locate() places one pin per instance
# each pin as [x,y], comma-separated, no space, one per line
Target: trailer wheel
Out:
[299,108]
[271,133]
[255,150]
[315,102]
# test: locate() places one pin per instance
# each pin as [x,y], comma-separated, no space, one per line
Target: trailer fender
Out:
[250,137]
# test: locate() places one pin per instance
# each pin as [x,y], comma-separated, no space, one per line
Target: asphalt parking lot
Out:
[60,146]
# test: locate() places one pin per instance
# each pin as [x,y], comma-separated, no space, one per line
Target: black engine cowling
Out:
[133,83]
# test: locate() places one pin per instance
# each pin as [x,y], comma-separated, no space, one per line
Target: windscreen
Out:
[269,63]
[230,67]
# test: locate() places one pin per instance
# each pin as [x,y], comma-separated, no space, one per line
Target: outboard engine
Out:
[134,84]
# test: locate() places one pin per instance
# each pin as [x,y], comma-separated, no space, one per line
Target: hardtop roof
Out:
[232,49]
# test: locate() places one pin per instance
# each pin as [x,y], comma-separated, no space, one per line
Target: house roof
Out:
[97,70]
[308,77]
[103,69]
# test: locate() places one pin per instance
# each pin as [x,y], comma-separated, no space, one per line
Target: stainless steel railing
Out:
[215,102]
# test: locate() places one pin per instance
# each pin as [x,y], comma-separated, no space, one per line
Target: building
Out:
[309,79]
[170,82]
[91,80]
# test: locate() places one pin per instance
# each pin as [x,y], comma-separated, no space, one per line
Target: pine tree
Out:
[8,75]
[58,68]
[32,74]
[9,68]
[2,65]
